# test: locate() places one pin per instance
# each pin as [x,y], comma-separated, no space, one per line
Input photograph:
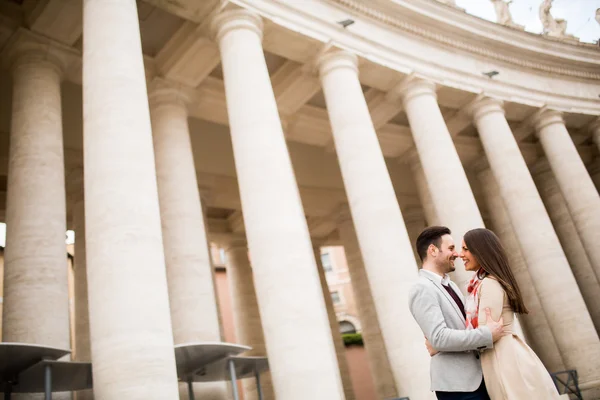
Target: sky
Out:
[579,14]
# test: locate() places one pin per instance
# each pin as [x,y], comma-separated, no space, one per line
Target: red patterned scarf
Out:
[472,302]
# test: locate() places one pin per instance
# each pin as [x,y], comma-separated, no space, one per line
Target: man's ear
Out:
[432,250]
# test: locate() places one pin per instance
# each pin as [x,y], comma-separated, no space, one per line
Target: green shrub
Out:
[353,339]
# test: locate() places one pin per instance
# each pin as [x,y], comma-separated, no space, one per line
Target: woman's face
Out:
[471,263]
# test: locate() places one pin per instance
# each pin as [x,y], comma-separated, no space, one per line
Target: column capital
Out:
[27,48]
[165,93]
[335,59]
[483,106]
[412,87]
[228,21]
[546,117]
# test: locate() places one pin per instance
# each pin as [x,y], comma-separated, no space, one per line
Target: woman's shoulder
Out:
[491,283]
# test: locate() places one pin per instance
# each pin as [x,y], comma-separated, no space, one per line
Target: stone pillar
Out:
[569,238]
[423,191]
[574,181]
[131,335]
[379,363]
[550,272]
[381,232]
[247,322]
[285,272]
[194,313]
[83,351]
[446,179]
[36,300]
[338,341]
[535,324]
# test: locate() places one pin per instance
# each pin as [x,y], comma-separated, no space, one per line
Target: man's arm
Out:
[428,314]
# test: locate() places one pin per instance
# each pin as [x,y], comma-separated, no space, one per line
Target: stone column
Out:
[285,272]
[446,179]
[574,181]
[36,300]
[550,272]
[381,232]
[83,351]
[131,335]
[535,324]
[194,314]
[338,341]
[247,321]
[423,191]
[379,363]
[569,238]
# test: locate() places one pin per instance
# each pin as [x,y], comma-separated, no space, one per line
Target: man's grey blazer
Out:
[457,367]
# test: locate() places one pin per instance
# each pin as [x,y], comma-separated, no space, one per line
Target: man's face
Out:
[446,254]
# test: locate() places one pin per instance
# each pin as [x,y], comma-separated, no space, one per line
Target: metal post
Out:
[233,376]
[258,387]
[190,390]
[48,382]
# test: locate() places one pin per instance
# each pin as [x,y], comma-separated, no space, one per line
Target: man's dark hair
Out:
[430,235]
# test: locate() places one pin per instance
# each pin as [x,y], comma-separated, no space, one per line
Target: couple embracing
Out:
[475,355]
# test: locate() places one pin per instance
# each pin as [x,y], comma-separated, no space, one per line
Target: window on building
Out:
[347,327]
[222,255]
[326,261]
[335,297]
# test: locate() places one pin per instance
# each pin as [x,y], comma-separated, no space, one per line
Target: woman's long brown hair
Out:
[489,252]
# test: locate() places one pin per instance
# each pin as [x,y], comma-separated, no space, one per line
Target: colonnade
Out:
[149,276]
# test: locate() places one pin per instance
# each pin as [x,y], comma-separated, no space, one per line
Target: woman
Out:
[511,369]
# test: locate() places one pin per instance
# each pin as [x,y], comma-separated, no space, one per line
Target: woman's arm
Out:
[491,295]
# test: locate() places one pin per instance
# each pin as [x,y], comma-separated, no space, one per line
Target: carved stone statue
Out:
[555,27]
[503,16]
[598,16]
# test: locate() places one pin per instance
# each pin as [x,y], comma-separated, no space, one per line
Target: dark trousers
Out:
[479,394]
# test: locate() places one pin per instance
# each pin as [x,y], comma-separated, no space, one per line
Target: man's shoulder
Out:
[421,284]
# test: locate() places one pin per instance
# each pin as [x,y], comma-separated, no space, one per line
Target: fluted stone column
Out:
[569,238]
[379,363]
[535,324]
[130,324]
[36,303]
[194,314]
[423,191]
[82,351]
[550,272]
[285,272]
[380,228]
[246,315]
[449,187]
[338,341]
[574,181]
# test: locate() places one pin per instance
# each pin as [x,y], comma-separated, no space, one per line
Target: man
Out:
[437,305]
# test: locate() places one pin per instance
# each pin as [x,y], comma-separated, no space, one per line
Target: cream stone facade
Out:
[272,128]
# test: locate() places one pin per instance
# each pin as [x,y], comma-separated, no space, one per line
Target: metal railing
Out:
[567,382]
